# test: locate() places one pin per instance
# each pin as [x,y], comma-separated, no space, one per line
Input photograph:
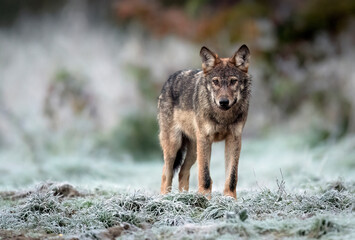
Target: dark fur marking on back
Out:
[206,178]
[179,88]
[233,180]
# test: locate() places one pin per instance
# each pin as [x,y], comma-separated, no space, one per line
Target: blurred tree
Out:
[10,10]
[137,132]
[67,92]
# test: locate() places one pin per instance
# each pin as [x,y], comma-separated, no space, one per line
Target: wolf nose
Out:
[224,102]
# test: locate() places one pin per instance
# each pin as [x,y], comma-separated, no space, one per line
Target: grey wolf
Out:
[199,107]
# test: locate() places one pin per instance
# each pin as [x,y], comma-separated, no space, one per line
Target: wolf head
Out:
[226,77]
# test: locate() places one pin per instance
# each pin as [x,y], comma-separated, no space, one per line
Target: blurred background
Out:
[79,82]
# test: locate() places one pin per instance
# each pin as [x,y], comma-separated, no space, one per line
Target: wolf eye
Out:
[233,81]
[215,81]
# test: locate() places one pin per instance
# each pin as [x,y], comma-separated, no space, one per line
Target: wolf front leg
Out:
[203,165]
[232,153]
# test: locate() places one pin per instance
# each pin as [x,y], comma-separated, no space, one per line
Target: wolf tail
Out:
[181,154]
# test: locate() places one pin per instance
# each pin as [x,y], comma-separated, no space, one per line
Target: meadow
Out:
[79,150]
[286,189]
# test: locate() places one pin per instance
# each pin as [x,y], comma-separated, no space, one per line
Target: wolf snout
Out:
[224,102]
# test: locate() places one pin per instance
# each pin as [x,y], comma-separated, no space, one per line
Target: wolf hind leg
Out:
[171,143]
[190,159]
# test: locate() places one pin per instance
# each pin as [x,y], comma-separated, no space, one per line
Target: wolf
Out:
[199,107]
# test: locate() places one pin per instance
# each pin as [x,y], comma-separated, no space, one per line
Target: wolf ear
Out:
[209,59]
[241,58]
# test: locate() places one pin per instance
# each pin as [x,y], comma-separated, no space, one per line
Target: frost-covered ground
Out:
[286,190]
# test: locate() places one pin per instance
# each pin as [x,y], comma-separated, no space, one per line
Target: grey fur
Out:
[200,93]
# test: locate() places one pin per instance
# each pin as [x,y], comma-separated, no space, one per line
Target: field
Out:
[79,150]
[286,189]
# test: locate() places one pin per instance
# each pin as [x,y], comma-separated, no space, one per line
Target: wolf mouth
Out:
[225,108]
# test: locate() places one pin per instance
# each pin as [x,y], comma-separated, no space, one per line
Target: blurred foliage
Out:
[136,134]
[68,91]
[11,9]
[237,20]
[196,20]
[70,110]
[143,77]
[193,6]
[321,133]
[203,19]
[288,93]
[317,136]
[315,16]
